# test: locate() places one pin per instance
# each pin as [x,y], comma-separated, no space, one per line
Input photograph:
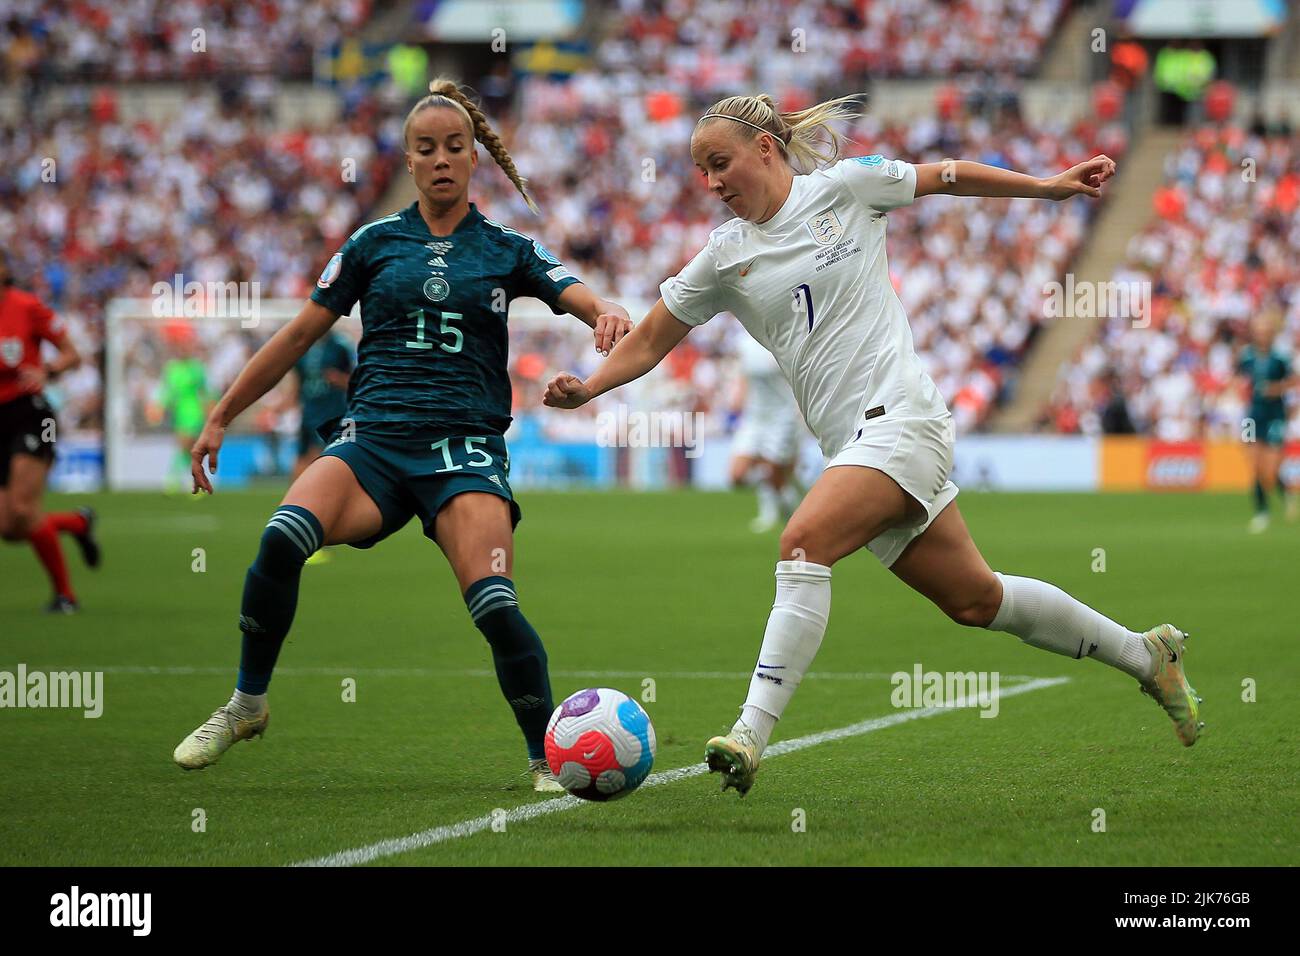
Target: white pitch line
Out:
[215,670]
[531,811]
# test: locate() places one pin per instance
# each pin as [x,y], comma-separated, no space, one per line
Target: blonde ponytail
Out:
[446,92]
[806,136]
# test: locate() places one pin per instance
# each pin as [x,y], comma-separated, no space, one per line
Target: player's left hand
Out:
[1085,178]
[32,379]
[609,329]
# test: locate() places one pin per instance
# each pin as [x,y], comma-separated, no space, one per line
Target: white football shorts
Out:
[773,438]
[916,453]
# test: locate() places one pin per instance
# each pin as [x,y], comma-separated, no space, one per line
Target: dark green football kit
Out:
[429,401]
[320,399]
[1267,412]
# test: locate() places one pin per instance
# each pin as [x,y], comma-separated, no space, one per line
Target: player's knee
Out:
[19,521]
[291,536]
[977,605]
[800,541]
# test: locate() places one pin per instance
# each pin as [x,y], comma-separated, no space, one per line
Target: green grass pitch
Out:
[670,587]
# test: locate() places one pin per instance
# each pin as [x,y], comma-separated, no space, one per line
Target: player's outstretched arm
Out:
[643,348]
[259,376]
[608,320]
[964,178]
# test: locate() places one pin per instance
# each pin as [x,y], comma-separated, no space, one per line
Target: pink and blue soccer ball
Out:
[600,744]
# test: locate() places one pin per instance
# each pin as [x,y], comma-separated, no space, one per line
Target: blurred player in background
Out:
[427,412]
[767,442]
[321,394]
[817,242]
[1267,373]
[27,437]
[182,397]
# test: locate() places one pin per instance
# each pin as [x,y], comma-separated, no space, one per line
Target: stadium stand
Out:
[115,40]
[1217,250]
[226,195]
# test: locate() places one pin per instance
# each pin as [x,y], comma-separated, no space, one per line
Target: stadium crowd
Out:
[54,40]
[711,44]
[223,196]
[97,207]
[1219,249]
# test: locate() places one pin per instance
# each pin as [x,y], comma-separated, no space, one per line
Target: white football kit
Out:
[769,424]
[812,286]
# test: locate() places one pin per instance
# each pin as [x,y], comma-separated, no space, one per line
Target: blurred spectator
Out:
[1129,64]
[1183,70]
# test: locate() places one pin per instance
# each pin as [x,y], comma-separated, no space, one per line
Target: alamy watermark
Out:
[625,429]
[75,908]
[922,688]
[221,300]
[1098,300]
[79,690]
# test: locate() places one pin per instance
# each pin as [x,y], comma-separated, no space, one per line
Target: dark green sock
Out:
[1261,499]
[271,592]
[517,655]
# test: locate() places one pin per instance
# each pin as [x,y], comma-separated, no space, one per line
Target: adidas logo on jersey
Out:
[438,261]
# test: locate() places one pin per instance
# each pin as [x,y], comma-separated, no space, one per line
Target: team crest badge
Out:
[825,228]
[332,270]
[11,351]
[436,288]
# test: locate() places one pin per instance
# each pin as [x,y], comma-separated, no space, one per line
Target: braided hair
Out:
[446,92]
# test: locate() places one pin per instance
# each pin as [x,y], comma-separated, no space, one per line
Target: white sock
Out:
[794,632]
[247,705]
[759,721]
[1044,616]
[768,502]
[790,498]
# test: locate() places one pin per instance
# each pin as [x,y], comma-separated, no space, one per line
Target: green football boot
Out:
[1168,685]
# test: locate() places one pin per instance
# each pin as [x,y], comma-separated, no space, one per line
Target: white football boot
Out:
[216,735]
[735,755]
[543,780]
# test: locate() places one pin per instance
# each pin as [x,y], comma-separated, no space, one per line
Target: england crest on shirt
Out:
[825,228]
[11,351]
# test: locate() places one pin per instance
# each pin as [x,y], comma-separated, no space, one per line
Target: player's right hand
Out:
[566,391]
[208,445]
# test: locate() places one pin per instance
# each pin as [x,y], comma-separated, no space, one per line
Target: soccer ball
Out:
[600,744]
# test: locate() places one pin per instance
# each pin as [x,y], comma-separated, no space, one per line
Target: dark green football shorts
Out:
[1270,427]
[414,468]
